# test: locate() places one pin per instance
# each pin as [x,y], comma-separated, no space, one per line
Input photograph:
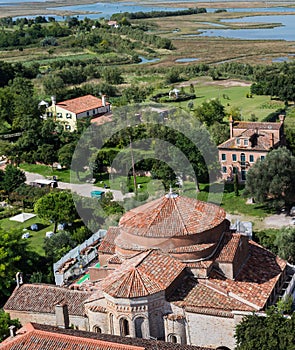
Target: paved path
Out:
[81,189]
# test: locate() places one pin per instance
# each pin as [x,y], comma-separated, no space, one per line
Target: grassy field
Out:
[47,171]
[231,93]
[36,237]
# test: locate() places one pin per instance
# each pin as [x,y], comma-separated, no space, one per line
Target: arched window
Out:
[172,338]
[139,327]
[111,323]
[124,327]
[96,329]
[243,158]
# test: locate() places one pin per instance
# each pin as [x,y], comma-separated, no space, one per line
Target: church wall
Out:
[210,331]
[78,322]
[98,319]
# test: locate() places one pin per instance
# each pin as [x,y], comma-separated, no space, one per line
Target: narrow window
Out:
[223,156]
[234,157]
[224,170]
[243,158]
[246,142]
[111,323]
[262,157]
[238,142]
[251,158]
[124,327]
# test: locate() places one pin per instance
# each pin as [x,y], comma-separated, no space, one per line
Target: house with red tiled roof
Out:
[70,111]
[171,270]
[248,142]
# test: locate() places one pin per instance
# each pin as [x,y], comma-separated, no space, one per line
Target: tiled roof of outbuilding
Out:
[107,245]
[81,104]
[42,298]
[230,245]
[43,337]
[145,274]
[257,278]
[172,216]
[200,298]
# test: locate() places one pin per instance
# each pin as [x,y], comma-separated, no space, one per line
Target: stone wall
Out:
[210,331]
[77,322]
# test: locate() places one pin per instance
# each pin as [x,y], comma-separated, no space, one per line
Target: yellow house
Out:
[69,111]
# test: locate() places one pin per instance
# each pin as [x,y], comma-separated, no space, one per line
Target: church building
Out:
[171,270]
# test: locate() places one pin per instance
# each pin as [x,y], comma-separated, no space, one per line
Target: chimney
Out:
[62,315]
[12,331]
[231,122]
[282,118]
[271,140]
[19,279]
[53,100]
[103,100]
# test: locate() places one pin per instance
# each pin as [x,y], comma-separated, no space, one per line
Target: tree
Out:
[13,258]
[273,332]
[13,178]
[271,181]
[210,112]
[285,241]
[56,206]
[5,323]
[58,245]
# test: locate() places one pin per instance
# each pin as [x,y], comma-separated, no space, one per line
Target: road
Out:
[81,189]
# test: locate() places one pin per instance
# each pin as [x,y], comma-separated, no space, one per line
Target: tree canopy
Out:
[56,206]
[271,181]
[273,332]
[5,323]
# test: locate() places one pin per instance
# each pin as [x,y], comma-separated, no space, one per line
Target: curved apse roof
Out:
[172,216]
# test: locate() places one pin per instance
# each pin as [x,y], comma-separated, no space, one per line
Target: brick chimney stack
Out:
[271,139]
[62,315]
[103,100]
[231,122]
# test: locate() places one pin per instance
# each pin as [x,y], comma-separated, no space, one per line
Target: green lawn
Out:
[44,170]
[233,97]
[36,237]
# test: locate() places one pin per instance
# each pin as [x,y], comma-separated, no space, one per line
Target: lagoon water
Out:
[284,32]
[106,9]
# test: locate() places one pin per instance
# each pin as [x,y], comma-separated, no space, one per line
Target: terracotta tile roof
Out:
[257,278]
[43,298]
[115,259]
[81,104]
[35,339]
[145,274]
[172,216]
[262,143]
[42,337]
[230,245]
[258,125]
[192,248]
[200,264]
[107,245]
[98,308]
[201,298]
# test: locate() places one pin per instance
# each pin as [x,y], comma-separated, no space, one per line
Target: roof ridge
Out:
[157,214]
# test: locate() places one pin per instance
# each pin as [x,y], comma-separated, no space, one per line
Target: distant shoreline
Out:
[41,8]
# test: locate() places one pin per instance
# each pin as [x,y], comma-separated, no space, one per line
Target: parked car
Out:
[97,194]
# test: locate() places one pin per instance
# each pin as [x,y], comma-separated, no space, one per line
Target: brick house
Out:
[70,111]
[248,142]
[171,270]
